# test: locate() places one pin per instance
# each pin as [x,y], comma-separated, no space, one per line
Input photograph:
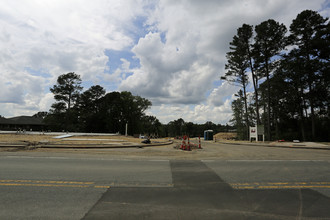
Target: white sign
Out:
[255,131]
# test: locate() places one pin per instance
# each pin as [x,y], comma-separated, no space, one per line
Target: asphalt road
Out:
[67,186]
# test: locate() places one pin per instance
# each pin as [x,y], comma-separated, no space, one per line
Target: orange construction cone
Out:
[183,144]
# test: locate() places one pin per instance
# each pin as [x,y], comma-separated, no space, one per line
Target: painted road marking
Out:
[52,183]
[43,181]
[76,184]
[102,187]
[261,161]
[48,185]
[280,185]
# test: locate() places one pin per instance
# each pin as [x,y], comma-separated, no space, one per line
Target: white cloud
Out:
[56,37]
[202,29]
[193,113]
[181,49]
[223,92]
[160,63]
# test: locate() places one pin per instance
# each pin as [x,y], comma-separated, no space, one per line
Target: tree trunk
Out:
[301,112]
[268,101]
[277,130]
[246,109]
[67,121]
[311,99]
[255,85]
[302,125]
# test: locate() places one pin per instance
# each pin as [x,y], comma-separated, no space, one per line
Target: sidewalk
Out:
[299,145]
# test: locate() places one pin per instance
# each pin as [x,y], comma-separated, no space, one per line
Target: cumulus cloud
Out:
[197,36]
[223,92]
[194,113]
[202,29]
[165,70]
[56,37]
[180,46]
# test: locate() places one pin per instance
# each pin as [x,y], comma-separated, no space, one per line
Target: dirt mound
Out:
[225,136]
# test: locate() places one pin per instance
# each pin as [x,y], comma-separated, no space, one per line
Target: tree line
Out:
[179,127]
[290,76]
[94,110]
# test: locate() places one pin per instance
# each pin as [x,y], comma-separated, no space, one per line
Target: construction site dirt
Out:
[129,147]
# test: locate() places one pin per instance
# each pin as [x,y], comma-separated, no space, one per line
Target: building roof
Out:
[5,121]
[22,120]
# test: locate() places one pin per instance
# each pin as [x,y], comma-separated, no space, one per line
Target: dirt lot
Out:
[127,143]
[129,149]
[23,138]
[18,139]
[30,141]
[36,138]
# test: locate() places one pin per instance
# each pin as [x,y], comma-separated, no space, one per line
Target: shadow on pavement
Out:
[199,193]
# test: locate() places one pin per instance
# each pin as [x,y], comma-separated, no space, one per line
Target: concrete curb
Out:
[278,146]
[100,146]
[14,144]
[83,146]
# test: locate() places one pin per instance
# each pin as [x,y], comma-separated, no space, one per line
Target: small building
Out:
[208,135]
[6,124]
[22,123]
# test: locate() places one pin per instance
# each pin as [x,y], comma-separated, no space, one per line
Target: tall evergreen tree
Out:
[237,64]
[310,37]
[246,34]
[238,116]
[269,42]
[67,89]
[294,89]
[66,93]
[117,109]
[89,106]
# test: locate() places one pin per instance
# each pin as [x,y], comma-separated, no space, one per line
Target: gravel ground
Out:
[81,139]
[210,150]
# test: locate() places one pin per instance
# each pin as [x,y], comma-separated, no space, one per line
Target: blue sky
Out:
[171,52]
